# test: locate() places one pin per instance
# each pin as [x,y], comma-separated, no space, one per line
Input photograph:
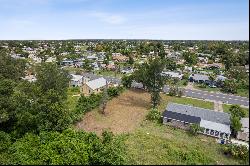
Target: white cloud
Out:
[108,18]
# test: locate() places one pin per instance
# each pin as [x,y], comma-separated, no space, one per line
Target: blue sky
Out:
[124,19]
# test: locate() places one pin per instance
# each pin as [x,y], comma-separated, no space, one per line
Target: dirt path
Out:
[218,106]
[123,114]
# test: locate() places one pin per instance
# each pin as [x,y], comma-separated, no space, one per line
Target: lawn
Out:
[159,144]
[226,109]
[72,100]
[243,92]
[184,100]
[207,88]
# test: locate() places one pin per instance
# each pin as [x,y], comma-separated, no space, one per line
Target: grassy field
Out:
[152,143]
[72,100]
[226,109]
[159,144]
[243,92]
[184,100]
[207,88]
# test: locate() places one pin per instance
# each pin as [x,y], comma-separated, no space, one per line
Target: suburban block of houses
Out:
[213,123]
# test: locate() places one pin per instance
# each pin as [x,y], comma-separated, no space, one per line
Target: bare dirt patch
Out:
[123,114]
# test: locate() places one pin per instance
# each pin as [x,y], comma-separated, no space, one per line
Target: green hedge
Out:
[87,103]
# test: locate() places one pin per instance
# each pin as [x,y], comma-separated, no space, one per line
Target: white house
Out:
[94,86]
[76,80]
[173,74]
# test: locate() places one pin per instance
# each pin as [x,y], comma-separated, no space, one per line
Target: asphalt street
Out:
[199,94]
[214,96]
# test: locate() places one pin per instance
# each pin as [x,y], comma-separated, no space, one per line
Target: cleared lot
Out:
[123,114]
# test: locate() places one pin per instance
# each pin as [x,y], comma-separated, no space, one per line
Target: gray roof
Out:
[199,77]
[181,117]
[92,76]
[97,83]
[205,114]
[245,124]
[215,126]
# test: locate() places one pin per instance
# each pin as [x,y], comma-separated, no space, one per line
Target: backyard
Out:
[152,143]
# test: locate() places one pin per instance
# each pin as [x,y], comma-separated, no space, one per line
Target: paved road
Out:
[213,96]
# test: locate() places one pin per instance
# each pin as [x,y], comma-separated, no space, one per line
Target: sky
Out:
[124,19]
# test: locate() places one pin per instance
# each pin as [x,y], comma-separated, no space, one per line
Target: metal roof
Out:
[205,114]
[97,83]
[215,126]
[245,124]
[199,77]
[181,117]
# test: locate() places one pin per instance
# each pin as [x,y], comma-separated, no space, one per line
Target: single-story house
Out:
[94,86]
[67,62]
[91,57]
[173,74]
[244,133]
[127,70]
[214,66]
[220,78]
[76,80]
[121,58]
[213,123]
[203,59]
[198,78]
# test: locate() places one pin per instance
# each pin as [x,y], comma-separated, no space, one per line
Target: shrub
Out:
[154,115]
[236,110]
[172,91]
[185,82]
[203,85]
[180,93]
[237,151]
[195,128]
[127,81]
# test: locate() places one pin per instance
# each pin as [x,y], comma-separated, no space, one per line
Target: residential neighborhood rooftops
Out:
[205,114]
[97,83]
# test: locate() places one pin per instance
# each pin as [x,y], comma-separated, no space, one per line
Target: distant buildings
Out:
[171,74]
[199,78]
